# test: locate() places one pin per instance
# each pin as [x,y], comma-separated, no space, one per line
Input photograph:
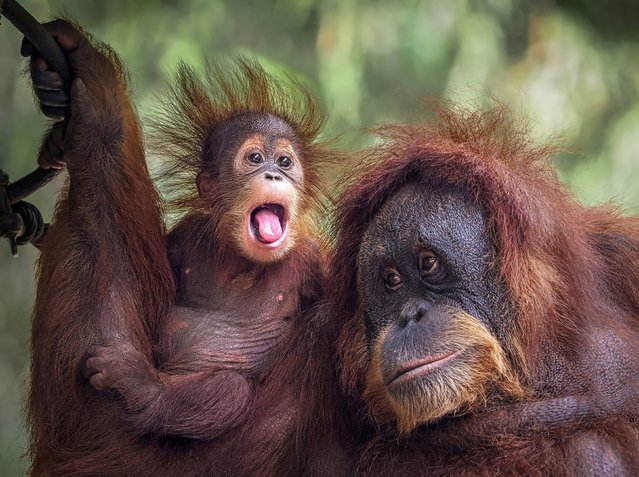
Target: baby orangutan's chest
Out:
[236,324]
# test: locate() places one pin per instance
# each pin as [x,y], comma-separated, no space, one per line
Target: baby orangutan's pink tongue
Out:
[268,225]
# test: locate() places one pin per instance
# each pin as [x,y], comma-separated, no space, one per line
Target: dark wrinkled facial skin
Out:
[436,241]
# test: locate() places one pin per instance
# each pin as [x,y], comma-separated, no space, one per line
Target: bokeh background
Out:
[572,66]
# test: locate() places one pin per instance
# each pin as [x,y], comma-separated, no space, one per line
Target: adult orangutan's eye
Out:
[392,279]
[430,266]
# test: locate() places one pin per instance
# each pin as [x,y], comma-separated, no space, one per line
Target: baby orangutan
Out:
[246,256]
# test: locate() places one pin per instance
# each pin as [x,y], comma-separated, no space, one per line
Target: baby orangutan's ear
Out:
[205,185]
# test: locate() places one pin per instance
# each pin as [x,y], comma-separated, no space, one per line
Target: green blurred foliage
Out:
[570,65]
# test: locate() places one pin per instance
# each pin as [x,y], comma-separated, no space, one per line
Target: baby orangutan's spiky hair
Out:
[196,104]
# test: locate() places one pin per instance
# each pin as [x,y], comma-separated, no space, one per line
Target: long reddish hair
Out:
[560,260]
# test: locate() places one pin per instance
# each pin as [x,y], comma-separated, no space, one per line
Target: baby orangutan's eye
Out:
[284,162]
[255,158]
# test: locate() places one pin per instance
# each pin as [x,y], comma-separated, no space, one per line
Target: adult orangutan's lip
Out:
[412,369]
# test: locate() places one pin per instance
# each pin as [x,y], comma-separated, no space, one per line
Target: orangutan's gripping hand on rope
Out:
[98,78]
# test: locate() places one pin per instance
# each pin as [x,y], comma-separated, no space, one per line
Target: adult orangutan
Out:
[218,383]
[492,322]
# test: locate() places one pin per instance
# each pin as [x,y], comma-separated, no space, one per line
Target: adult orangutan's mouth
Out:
[416,368]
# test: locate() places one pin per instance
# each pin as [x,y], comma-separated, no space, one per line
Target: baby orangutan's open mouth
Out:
[268,224]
